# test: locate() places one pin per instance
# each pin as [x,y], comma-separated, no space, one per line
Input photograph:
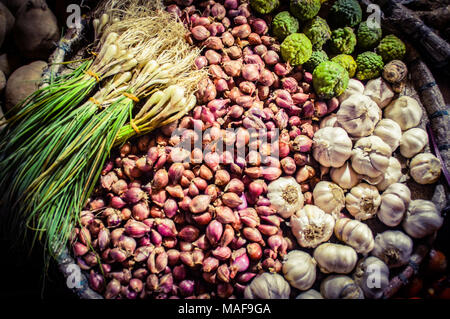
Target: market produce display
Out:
[226,149]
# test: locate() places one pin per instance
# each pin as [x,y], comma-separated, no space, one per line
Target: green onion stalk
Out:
[36,127]
[61,133]
[63,190]
[54,199]
[59,164]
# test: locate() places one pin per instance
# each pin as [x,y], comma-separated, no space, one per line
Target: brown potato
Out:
[36,31]
[2,29]
[8,17]
[9,63]
[22,83]
[2,81]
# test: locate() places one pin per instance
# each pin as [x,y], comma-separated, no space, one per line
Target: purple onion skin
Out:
[187,288]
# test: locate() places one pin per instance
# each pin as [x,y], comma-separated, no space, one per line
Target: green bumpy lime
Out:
[347,62]
[305,10]
[391,48]
[264,6]
[318,31]
[368,37]
[284,24]
[345,13]
[296,49]
[330,80]
[343,41]
[317,57]
[368,66]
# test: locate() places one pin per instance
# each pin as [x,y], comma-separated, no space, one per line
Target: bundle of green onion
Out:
[56,146]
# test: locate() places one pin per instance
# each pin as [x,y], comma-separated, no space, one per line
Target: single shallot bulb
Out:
[214,232]
[240,262]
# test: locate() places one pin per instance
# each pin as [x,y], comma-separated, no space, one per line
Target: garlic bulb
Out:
[335,258]
[355,234]
[372,275]
[345,176]
[413,142]
[422,219]
[379,91]
[394,203]
[354,87]
[392,175]
[312,226]
[372,180]
[299,269]
[371,156]
[329,121]
[390,132]
[329,197]
[268,286]
[340,287]
[285,195]
[393,247]
[406,111]
[363,201]
[425,168]
[358,115]
[332,146]
[310,294]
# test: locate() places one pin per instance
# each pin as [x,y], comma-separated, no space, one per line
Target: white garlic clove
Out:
[286,196]
[340,287]
[332,146]
[268,286]
[335,258]
[311,226]
[379,91]
[363,201]
[422,219]
[371,156]
[406,111]
[425,168]
[345,176]
[392,175]
[359,115]
[390,132]
[354,87]
[310,294]
[299,269]
[413,142]
[393,247]
[329,197]
[394,202]
[355,234]
[329,121]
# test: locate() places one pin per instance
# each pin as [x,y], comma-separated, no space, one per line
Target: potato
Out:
[2,29]
[9,18]
[36,31]
[9,63]
[2,81]
[6,23]
[22,83]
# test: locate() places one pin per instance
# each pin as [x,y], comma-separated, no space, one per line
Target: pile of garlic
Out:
[359,148]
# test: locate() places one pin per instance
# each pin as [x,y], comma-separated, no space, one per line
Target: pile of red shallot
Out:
[203,227]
